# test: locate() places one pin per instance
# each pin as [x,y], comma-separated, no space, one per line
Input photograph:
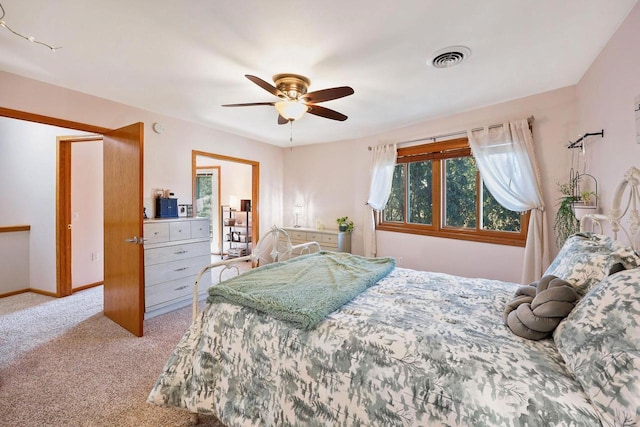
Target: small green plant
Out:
[586,197]
[565,223]
[345,224]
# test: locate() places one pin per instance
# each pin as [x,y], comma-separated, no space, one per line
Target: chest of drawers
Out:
[329,240]
[174,253]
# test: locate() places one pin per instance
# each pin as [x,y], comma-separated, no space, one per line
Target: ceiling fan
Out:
[294,99]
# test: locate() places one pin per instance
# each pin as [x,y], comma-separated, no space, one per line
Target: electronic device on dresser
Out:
[166,207]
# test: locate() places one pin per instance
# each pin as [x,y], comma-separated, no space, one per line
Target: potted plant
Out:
[586,197]
[586,204]
[345,224]
[565,223]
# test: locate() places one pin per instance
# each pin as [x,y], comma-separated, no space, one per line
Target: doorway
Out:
[207,196]
[123,261]
[80,223]
[202,160]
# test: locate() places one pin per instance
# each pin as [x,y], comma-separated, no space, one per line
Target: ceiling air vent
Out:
[449,56]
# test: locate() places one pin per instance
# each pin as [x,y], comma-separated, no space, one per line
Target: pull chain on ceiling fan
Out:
[294,99]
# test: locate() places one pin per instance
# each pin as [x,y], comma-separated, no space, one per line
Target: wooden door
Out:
[123,207]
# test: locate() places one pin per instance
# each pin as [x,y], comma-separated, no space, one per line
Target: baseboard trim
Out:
[35,291]
[85,287]
[21,291]
[38,291]
[50,294]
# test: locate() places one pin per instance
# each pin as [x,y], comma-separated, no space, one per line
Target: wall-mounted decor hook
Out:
[579,144]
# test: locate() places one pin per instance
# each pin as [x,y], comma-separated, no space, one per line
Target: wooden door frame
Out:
[64,282]
[216,170]
[63,218]
[61,285]
[255,185]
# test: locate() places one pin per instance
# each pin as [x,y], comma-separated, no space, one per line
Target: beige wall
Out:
[332,179]
[28,176]
[87,218]
[14,261]
[606,101]
[167,159]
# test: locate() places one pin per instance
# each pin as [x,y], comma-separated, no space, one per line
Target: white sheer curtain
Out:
[506,161]
[383,163]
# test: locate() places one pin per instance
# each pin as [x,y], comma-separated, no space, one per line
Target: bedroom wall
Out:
[606,96]
[28,176]
[167,156]
[333,180]
[87,214]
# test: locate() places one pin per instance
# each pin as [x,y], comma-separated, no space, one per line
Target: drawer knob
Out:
[181,269]
[180,287]
[181,252]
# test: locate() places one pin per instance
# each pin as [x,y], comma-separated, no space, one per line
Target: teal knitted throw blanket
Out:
[305,289]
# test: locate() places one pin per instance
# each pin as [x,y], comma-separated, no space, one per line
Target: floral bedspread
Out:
[417,349]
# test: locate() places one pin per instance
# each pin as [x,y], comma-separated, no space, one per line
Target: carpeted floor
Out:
[63,363]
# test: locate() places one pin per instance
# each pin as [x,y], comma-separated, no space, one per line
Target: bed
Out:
[420,348]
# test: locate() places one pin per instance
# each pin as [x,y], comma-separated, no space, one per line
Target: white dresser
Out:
[329,240]
[174,252]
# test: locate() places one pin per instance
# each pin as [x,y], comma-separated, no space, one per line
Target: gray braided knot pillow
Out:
[539,307]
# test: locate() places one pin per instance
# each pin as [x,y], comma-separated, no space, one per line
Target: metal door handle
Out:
[133,240]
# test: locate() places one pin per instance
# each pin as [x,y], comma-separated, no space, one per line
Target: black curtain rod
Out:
[578,142]
[446,135]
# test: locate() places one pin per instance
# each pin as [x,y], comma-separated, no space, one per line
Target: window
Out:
[438,191]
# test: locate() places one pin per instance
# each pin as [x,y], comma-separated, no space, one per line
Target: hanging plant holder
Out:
[579,194]
[585,195]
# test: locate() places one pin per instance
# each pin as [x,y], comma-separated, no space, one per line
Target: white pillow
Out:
[600,342]
[587,258]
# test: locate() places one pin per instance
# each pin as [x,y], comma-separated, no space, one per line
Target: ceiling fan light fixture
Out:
[291,110]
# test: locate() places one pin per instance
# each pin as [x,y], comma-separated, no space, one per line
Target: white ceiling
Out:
[186,58]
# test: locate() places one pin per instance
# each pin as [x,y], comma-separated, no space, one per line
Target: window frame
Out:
[437,152]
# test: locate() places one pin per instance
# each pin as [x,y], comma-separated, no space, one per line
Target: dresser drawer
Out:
[156,232]
[179,230]
[314,237]
[329,240]
[176,252]
[168,292]
[172,270]
[297,235]
[199,228]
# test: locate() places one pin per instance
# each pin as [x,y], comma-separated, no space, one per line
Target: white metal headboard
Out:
[621,208]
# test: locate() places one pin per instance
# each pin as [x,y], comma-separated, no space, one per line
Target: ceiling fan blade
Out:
[328,94]
[325,112]
[265,85]
[249,104]
[282,120]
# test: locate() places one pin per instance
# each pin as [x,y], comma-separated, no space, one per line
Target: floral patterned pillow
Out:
[600,342]
[587,258]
